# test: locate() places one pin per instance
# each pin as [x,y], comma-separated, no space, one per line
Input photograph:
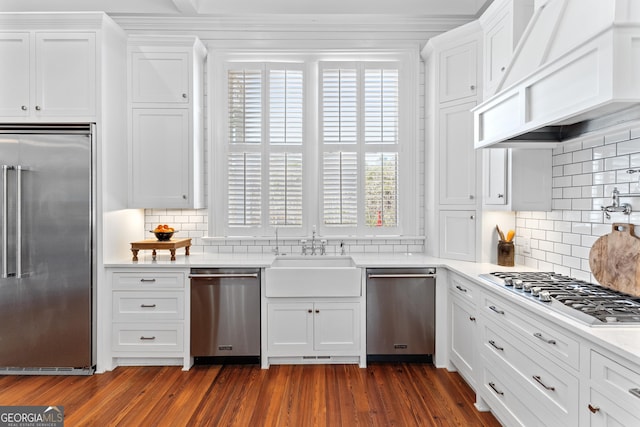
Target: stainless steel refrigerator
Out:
[47,249]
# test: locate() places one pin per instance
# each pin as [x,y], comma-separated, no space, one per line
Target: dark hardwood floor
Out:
[245,395]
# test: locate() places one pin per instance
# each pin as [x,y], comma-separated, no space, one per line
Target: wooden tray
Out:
[154,245]
[614,259]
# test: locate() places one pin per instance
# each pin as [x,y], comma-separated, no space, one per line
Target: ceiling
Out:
[416,8]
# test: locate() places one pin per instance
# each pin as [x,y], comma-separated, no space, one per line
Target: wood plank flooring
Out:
[244,395]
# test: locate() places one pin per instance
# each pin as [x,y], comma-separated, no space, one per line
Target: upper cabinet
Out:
[517,179]
[458,72]
[166,100]
[50,74]
[503,24]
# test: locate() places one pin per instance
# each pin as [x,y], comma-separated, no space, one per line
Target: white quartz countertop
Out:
[624,341]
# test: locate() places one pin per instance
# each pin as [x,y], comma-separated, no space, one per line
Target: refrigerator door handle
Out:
[5,221]
[19,170]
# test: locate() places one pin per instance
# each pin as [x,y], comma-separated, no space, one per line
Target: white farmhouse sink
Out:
[313,276]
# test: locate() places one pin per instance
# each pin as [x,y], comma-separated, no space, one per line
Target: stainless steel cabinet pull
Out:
[143,338]
[224,276]
[184,95]
[473,319]
[500,196]
[635,392]
[493,386]
[23,108]
[593,409]
[5,220]
[496,346]
[460,288]
[148,280]
[19,170]
[401,276]
[147,305]
[309,311]
[539,381]
[539,336]
[38,108]
[317,311]
[493,308]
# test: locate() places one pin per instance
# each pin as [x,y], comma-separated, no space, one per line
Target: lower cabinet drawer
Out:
[142,337]
[507,399]
[620,383]
[148,306]
[544,381]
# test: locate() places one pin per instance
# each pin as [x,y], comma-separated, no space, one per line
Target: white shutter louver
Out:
[381,106]
[339,106]
[285,106]
[245,106]
[244,189]
[285,189]
[340,184]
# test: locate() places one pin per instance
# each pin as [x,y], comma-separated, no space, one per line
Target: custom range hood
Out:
[576,69]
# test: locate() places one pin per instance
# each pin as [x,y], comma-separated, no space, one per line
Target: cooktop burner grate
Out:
[584,301]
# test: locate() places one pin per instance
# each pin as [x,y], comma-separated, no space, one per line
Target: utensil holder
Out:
[506,253]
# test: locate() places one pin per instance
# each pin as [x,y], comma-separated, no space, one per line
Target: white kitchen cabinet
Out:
[313,329]
[47,75]
[458,174]
[463,329]
[166,102]
[517,179]
[503,24]
[160,77]
[458,235]
[458,72]
[614,392]
[452,164]
[149,325]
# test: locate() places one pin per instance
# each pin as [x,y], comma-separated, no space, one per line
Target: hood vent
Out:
[575,70]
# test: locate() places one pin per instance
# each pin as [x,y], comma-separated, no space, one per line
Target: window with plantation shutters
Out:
[359,117]
[265,146]
[314,139]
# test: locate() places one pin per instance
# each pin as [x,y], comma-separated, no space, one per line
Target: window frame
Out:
[310,60]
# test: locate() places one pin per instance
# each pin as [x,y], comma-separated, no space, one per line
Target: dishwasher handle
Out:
[224,276]
[401,276]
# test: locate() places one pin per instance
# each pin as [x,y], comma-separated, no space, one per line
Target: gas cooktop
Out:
[586,302]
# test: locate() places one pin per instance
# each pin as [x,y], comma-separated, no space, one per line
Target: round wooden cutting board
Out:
[614,259]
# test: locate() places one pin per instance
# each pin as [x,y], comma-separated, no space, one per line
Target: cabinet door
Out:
[605,413]
[498,42]
[458,235]
[65,74]
[336,326]
[160,77]
[457,179]
[458,72]
[463,331]
[495,176]
[290,329]
[160,158]
[14,74]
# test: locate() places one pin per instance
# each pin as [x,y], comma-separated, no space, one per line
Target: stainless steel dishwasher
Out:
[225,315]
[401,314]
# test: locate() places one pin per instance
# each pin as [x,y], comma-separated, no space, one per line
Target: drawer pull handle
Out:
[148,305]
[635,392]
[496,346]
[539,336]
[473,319]
[493,386]
[143,338]
[593,409]
[493,307]
[148,280]
[539,381]
[460,288]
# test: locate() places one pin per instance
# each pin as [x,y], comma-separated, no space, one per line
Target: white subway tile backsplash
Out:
[581,186]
